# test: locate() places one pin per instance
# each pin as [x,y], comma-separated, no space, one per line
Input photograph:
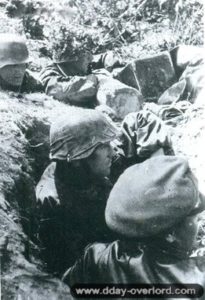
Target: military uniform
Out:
[189,65]
[150,208]
[71,87]
[134,263]
[31,84]
[81,198]
[66,229]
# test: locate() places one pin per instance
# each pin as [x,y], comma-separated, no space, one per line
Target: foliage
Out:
[64,41]
[187,27]
[108,24]
[29,12]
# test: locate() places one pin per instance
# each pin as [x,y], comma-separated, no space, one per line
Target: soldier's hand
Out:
[51,202]
[46,195]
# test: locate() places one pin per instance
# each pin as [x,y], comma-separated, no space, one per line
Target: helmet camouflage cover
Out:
[68,43]
[13,50]
[77,134]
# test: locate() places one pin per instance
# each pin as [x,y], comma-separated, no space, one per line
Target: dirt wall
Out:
[24,125]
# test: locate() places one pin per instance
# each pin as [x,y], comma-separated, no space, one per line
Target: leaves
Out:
[109,24]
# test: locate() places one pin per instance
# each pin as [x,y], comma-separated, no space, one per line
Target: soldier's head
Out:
[83,135]
[71,49]
[157,198]
[14,57]
[77,64]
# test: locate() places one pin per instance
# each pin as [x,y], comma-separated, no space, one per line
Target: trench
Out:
[24,154]
[23,273]
[22,269]
[37,154]
[36,160]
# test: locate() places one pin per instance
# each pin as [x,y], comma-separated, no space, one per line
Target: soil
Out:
[23,143]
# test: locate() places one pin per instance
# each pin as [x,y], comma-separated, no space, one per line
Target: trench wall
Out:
[24,127]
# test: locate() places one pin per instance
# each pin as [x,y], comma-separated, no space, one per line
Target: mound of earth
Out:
[23,155]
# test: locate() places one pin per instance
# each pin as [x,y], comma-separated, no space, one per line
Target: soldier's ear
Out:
[170,237]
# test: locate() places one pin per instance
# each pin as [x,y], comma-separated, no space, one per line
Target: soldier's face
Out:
[79,66]
[100,160]
[13,74]
[185,234]
[84,62]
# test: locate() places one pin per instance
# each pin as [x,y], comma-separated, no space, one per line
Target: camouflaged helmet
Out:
[13,50]
[76,135]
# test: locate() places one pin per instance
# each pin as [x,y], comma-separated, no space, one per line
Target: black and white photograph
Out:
[102,149]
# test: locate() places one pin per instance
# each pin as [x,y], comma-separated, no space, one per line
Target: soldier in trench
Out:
[14,59]
[72,192]
[153,209]
[70,77]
